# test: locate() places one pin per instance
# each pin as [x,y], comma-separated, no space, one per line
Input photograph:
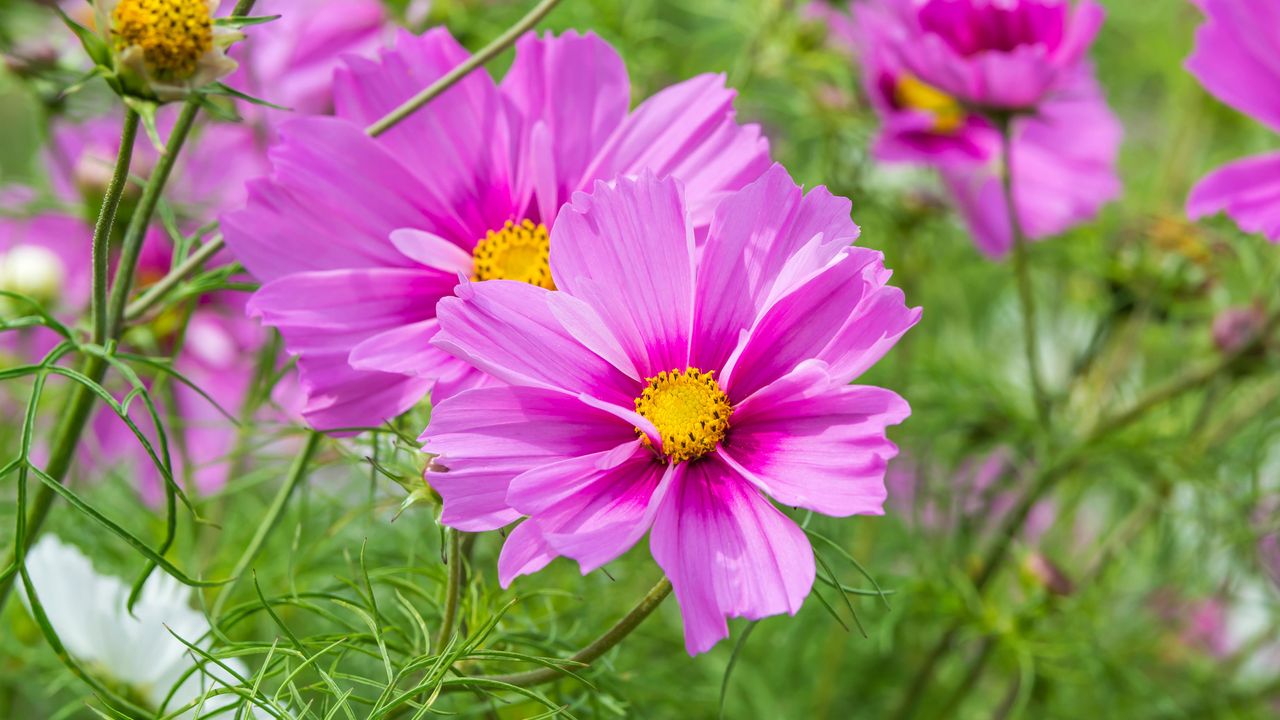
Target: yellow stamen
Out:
[689,410]
[948,114]
[516,252]
[172,34]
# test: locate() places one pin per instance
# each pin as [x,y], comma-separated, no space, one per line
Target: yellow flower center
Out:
[516,252]
[948,114]
[689,410]
[173,34]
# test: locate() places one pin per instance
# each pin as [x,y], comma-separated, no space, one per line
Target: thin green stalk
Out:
[297,473]
[453,590]
[157,292]
[590,653]
[1022,274]
[487,53]
[75,416]
[106,222]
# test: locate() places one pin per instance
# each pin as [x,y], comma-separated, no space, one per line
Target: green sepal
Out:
[239,22]
[146,110]
[220,88]
[93,44]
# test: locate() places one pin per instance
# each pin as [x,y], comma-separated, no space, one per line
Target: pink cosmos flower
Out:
[673,388]
[1007,55]
[1065,143]
[1236,59]
[38,261]
[357,238]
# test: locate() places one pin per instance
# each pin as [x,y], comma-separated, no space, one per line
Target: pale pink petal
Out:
[728,552]
[432,250]
[525,552]
[811,441]
[508,330]
[1247,190]
[870,331]
[689,131]
[488,436]
[627,251]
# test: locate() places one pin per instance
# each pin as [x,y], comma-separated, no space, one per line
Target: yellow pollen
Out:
[173,34]
[516,252]
[948,114]
[689,410]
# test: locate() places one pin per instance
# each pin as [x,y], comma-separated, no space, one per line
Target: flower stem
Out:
[453,591]
[590,653]
[297,473]
[106,221]
[451,78]
[1022,274]
[156,292]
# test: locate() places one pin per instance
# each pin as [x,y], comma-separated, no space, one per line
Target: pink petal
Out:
[870,331]
[727,551]
[341,398]
[405,349]
[432,250]
[525,552]
[811,441]
[1235,56]
[689,131]
[627,251]
[488,436]
[507,329]
[456,145]
[576,87]
[332,202]
[1247,190]
[763,238]
[595,507]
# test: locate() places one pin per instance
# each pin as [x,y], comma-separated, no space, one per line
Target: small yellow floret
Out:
[948,114]
[172,34]
[689,410]
[516,252]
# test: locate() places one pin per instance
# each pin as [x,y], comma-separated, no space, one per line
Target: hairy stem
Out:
[453,591]
[297,473]
[451,78]
[157,292]
[106,222]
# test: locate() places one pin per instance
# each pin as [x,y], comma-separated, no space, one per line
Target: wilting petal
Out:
[1247,190]
[812,442]
[728,552]
[627,251]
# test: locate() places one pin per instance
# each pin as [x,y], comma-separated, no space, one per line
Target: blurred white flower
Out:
[33,271]
[88,611]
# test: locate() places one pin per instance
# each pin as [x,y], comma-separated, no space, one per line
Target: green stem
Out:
[1022,273]
[297,473]
[453,591]
[592,652]
[156,292]
[451,78]
[106,221]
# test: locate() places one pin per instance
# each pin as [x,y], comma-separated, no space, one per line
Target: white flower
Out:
[33,271]
[88,612]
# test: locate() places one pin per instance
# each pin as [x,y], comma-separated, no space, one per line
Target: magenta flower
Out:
[356,238]
[1065,144]
[43,258]
[1236,59]
[674,388]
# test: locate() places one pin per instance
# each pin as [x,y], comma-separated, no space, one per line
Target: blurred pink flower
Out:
[1237,58]
[290,61]
[469,184]
[1236,327]
[1065,144]
[674,387]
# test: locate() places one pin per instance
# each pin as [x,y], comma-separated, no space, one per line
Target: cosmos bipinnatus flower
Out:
[164,49]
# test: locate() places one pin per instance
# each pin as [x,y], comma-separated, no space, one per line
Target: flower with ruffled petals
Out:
[672,388]
[1236,59]
[1065,140]
[357,238]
